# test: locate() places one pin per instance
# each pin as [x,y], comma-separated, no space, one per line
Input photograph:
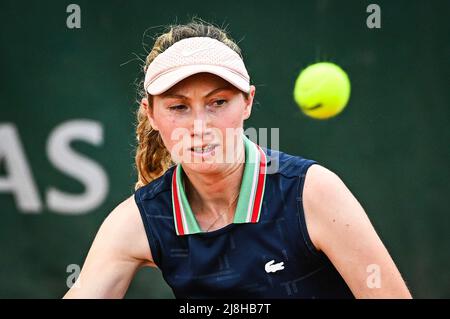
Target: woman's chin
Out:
[204,167]
[206,162]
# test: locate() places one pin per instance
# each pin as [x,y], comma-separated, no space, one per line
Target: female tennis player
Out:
[218,214]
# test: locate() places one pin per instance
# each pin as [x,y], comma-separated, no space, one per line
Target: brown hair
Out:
[152,157]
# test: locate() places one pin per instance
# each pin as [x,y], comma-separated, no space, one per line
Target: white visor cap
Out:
[195,55]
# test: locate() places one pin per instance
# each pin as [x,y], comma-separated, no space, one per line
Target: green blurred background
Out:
[390,145]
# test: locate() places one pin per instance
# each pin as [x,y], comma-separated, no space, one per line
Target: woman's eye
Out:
[180,107]
[219,102]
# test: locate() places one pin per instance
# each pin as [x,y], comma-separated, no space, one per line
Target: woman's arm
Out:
[338,226]
[120,248]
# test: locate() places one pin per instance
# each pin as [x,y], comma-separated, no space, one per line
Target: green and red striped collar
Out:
[251,194]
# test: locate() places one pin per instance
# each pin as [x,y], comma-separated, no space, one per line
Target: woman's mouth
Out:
[204,150]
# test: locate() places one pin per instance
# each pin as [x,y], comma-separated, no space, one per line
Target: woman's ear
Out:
[249,102]
[149,112]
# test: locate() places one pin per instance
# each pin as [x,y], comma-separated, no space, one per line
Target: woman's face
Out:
[200,120]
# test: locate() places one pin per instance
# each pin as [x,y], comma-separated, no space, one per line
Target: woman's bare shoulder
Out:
[324,194]
[119,249]
[320,178]
[125,224]
[339,226]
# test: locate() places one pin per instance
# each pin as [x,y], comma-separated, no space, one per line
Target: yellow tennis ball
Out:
[322,90]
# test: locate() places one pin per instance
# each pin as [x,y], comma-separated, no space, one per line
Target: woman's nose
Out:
[200,128]
[200,123]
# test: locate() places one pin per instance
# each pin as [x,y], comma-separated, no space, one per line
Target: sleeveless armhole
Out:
[301,213]
[154,247]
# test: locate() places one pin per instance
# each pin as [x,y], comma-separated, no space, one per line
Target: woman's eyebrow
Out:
[180,96]
[218,90]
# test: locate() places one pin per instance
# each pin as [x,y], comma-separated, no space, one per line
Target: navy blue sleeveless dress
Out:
[265,253]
